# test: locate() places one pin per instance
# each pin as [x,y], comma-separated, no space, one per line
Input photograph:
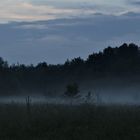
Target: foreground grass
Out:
[58,122]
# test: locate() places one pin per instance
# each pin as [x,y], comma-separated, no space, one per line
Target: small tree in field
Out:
[72,90]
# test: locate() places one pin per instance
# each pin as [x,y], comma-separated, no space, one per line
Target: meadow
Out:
[69,122]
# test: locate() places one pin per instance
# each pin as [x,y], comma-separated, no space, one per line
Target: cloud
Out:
[134,2]
[131,14]
[14,11]
[18,10]
[30,10]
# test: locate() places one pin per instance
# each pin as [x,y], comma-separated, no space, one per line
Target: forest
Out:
[122,61]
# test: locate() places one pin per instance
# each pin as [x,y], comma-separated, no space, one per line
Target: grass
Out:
[59,122]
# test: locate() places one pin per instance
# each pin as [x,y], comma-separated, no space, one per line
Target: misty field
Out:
[59,122]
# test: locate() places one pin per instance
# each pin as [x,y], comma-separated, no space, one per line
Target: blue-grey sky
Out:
[54,30]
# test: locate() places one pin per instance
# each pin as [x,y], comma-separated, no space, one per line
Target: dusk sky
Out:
[21,10]
[54,30]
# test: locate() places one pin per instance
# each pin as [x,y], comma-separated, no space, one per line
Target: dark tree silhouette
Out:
[42,78]
[72,90]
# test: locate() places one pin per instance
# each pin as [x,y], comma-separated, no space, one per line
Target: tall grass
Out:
[69,122]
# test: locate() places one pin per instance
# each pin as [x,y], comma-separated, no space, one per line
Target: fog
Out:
[102,97]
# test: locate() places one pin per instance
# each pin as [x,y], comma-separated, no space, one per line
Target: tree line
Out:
[19,78]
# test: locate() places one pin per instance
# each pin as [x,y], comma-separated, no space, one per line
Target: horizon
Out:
[70,60]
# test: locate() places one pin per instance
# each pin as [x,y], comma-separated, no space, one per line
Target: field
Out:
[69,122]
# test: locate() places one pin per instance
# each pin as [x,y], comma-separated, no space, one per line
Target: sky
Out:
[27,10]
[54,30]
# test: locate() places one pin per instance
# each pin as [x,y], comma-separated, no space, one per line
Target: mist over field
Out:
[109,94]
